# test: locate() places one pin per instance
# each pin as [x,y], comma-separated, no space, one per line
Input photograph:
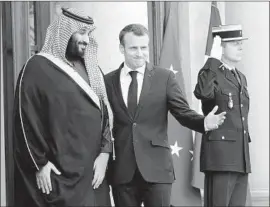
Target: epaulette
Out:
[224,66]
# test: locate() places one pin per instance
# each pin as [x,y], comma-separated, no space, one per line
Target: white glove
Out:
[216,51]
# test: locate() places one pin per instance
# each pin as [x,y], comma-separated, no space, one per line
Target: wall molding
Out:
[260,197]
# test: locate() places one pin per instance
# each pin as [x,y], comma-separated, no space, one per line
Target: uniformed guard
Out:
[225,151]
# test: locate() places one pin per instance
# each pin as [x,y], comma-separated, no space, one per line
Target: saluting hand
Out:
[43,177]
[212,121]
[216,51]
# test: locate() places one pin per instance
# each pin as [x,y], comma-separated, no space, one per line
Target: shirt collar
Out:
[227,66]
[140,70]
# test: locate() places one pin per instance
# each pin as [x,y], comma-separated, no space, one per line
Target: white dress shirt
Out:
[227,66]
[125,80]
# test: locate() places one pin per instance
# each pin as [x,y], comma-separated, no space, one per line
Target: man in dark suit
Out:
[225,152]
[141,96]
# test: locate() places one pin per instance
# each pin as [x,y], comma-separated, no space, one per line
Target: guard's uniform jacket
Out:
[226,148]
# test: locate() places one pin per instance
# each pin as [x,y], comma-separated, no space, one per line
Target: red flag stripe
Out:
[215,20]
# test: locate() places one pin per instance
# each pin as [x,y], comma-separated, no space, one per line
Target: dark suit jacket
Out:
[224,149]
[142,141]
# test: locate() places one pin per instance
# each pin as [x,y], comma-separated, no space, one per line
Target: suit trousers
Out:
[139,191]
[225,189]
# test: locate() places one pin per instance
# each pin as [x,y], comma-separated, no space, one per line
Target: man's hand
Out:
[100,166]
[43,177]
[216,51]
[212,121]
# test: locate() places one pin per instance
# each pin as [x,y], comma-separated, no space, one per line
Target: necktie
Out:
[236,76]
[132,93]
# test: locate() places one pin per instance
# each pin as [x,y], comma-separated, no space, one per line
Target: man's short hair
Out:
[136,29]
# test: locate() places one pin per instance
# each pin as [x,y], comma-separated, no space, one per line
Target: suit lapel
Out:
[231,78]
[147,81]
[118,90]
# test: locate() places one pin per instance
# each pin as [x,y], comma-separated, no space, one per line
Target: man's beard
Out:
[73,52]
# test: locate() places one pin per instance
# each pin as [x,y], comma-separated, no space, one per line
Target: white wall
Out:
[110,18]
[254,17]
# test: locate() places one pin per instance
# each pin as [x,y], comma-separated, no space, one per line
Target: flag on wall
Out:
[180,138]
[215,20]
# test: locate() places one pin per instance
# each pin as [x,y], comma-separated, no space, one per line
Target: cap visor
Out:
[234,39]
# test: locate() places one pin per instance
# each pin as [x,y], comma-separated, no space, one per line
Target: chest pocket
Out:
[227,92]
[227,95]
[228,98]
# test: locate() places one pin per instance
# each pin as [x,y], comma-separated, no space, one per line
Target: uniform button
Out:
[241,92]
[242,105]
[134,124]
[243,118]
[245,131]
[222,137]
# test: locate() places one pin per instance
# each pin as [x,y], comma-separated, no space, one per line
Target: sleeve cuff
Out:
[42,163]
[107,148]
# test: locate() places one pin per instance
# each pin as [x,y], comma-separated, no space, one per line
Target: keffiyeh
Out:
[56,41]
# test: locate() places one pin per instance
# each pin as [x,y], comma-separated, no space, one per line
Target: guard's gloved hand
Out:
[216,51]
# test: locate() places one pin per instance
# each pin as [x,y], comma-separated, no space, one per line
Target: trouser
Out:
[139,191]
[225,189]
